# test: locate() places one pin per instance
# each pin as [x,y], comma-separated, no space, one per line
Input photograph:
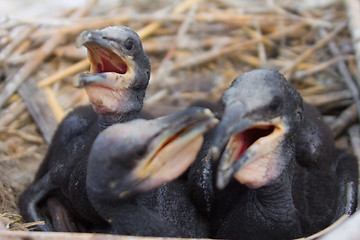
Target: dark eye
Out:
[275,104]
[140,151]
[129,44]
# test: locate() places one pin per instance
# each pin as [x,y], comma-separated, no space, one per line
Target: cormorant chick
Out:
[133,175]
[284,178]
[119,73]
[116,85]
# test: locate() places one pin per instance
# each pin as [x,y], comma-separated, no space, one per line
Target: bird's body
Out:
[116,84]
[64,163]
[70,132]
[139,185]
[293,206]
[286,179]
[166,211]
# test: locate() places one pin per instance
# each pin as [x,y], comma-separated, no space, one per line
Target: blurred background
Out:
[196,49]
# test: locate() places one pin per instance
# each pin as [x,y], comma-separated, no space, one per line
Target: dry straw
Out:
[196,49]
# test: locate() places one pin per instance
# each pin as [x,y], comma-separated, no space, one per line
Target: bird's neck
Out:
[128,108]
[275,203]
[269,209]
[276,195]
[106,120]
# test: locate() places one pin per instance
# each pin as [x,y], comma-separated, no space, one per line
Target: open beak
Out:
[108,64]
[111,71]
[173,147]
[245,144]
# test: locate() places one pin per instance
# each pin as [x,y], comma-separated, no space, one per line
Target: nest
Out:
[196,49]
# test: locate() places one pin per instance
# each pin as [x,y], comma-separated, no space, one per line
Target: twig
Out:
[261,47]
[22,120]
[54,105]
[354,133]
[9,235]
[28,68]
[255,34]
[149,29]
[345,73]
[26,136]
[301,66]
[346,118]
[321,66]
[12,112]
[314,22]
[84,10]
[73,25]
[162,71]
[73,69]
[353,10]
[288,70]
[156,97]
[326,230]
[20,227]
[71,52]
[20,58]
[143,33]
[39,109]
[249,59]
[213,54]
[328,98]
[346,231]
[314,90]
[15,42]
[77,28]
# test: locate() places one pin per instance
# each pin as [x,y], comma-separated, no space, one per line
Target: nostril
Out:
[107,38]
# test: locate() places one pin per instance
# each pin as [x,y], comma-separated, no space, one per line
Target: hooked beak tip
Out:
[83,37]
[80,80]
[215,152]
[77,82]
[83,79]
[222,179]
[208,112]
